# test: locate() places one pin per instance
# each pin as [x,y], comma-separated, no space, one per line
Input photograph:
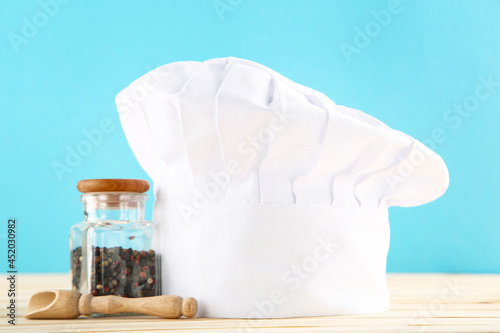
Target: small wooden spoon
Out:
[68,304]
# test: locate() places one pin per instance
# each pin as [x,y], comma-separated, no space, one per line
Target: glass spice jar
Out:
[114,250]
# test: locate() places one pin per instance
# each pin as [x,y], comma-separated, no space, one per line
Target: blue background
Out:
[430,56]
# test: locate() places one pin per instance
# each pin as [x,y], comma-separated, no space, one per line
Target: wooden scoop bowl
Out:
[68,304]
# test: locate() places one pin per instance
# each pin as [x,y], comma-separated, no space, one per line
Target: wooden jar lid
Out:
[113,185]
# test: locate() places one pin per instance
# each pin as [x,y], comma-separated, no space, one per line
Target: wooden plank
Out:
[419,303]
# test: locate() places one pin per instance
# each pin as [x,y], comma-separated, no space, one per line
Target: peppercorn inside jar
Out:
[114,250]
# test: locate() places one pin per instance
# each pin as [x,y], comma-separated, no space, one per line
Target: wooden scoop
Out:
[68,304]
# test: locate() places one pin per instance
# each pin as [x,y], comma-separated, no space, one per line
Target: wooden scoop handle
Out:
[166,306]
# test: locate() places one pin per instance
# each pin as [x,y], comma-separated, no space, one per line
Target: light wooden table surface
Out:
[419,303]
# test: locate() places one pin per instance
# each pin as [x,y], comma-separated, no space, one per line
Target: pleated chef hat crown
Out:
[253,173]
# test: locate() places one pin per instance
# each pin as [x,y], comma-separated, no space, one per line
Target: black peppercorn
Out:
[117,271]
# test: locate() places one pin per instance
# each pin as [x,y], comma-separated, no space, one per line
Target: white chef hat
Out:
[271,199]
